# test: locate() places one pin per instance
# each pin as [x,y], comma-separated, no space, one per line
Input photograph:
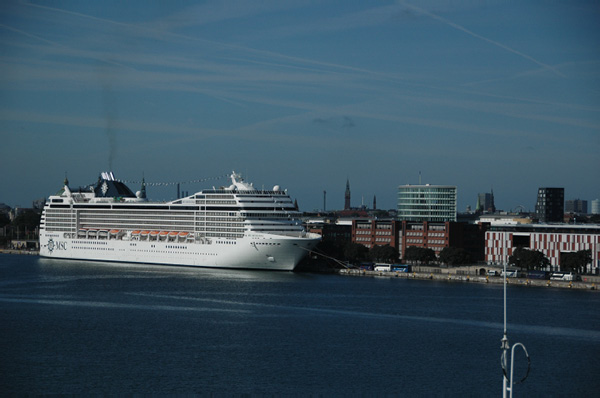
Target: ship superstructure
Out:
[237,226]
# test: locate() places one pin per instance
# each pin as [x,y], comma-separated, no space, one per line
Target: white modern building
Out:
[426,203]
[596,206]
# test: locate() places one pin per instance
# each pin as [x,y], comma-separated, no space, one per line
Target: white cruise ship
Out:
[237,226]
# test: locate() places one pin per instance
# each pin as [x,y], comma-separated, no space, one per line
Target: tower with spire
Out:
[143,190]
[347,196]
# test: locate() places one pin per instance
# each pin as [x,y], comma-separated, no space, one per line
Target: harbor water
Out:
[76,327]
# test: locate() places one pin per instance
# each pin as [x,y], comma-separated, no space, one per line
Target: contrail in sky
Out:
[473,34]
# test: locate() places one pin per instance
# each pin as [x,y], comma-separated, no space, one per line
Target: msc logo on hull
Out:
[52,245]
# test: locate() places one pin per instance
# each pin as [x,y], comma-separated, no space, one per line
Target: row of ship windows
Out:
[93,248]
[59,224]
[424,209]
[268,215]
[132,217]
[213,216]
[220,224]
[223,235]
[127,223]
[58,211]
[228,219]
[144,214]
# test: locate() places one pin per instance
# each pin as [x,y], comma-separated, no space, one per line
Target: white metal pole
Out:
[504,342]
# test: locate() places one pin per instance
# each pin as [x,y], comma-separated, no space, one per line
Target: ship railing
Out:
[246,192]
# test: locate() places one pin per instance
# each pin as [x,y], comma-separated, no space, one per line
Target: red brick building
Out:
[426,234]
[375,232]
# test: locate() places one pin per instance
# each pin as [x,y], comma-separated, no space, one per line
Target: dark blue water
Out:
[81,327]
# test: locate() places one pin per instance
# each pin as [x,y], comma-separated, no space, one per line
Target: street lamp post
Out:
[507,379]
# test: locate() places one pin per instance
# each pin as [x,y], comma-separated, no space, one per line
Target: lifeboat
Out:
[137,232]
[114,231]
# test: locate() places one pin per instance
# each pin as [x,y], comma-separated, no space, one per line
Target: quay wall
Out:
[16,251]
[455,277]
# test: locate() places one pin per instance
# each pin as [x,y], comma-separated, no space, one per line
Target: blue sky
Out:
[501,95]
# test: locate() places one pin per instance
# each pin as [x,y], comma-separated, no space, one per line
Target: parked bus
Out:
[383,267]
[510,273]
[565,276]
[401,267]
[538,275]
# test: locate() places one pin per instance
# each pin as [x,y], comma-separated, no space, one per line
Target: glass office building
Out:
[427,203]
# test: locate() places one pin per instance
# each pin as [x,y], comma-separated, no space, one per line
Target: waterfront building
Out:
[373,232]
[426,203]
[576,206]
[439,235]
[551,240]
[426,234]
[550,204]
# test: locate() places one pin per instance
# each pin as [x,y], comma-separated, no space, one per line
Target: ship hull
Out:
[265,252]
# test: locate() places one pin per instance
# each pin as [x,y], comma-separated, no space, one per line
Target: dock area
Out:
[587,283]
[17,251]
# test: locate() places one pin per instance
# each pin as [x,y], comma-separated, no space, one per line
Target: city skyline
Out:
[481,95]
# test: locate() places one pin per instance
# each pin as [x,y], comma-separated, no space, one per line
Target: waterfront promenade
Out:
[23,252]
[587,282]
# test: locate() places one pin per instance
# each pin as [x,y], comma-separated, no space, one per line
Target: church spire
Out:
[347,196]
[143,190]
